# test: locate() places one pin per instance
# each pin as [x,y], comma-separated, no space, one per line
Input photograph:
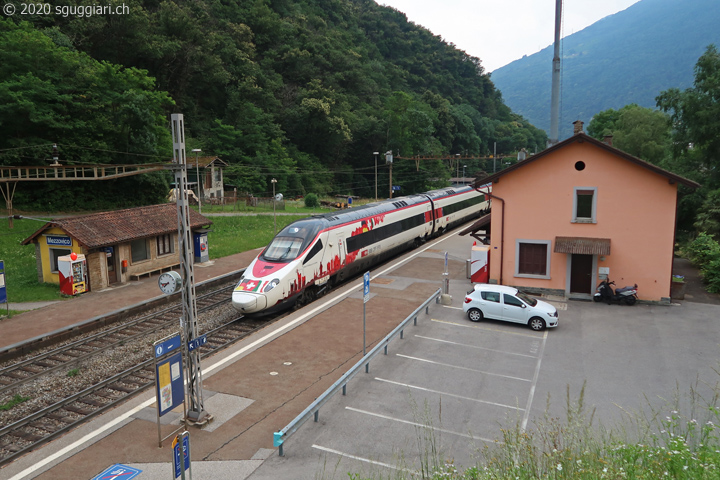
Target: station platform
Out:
[252,389]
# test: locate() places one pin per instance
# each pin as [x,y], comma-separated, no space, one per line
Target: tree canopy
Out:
[300,91]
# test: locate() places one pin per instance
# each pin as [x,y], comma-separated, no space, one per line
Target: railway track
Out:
[71,354]
[48,423]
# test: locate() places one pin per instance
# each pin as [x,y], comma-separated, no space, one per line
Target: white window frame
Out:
[547,259]
[593,217]
[61,252]
[171,242]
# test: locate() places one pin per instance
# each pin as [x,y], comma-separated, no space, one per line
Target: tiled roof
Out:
[121,226]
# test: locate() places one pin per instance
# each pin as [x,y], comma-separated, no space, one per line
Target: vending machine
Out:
[480,264]
[73,274]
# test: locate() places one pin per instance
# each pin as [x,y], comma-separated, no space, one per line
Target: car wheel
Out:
[630,300]
[475,315]
[537,324]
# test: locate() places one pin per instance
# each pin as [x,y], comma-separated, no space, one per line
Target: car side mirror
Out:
[523,305]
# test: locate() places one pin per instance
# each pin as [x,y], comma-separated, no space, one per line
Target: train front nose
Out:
[249,302]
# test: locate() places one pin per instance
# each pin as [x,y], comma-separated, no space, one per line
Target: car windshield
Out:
[527,298]
[291,241]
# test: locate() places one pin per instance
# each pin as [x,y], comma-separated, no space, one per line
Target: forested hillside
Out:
[629,57]
[302,91]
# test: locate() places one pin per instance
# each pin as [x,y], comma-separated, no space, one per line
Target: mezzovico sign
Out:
[58,240]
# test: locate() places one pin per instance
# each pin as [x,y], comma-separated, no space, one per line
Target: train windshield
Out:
[291,241]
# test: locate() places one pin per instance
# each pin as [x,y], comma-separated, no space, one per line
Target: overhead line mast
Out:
[555,98]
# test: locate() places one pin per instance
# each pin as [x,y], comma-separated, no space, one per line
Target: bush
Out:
[311,200]
[704,252]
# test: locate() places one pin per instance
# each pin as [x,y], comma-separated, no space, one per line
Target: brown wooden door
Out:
[581,273]
[112,274]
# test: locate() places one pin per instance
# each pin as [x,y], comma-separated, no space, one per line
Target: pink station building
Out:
[580,211]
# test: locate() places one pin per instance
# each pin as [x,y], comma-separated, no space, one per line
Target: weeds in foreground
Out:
[16,400]
[680,440]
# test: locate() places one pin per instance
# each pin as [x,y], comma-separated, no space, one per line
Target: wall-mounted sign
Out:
[58,240]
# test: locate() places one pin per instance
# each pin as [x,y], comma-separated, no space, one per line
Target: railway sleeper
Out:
[27,436]
[60,418]
[41,425]
[78,410]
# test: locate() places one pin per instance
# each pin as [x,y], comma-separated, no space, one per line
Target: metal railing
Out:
[314,408]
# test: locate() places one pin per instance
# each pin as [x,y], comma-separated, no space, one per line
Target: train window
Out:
[283,249]
[317,248]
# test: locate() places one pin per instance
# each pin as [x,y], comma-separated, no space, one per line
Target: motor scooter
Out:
[605,293]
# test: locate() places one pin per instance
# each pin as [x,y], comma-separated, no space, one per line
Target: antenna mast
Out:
[555,99]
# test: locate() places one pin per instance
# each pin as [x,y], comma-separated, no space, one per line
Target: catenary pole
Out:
[188,322]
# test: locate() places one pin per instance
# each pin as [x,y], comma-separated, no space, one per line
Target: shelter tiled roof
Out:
[121,226]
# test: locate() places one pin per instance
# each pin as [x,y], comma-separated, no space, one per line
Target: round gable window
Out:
[580,166]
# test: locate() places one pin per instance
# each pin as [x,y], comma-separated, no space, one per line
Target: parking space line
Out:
[454,308]
[407,385]
[534,383]
[484,328]
[366,460]
[415,424]
[474,346]
[464,368]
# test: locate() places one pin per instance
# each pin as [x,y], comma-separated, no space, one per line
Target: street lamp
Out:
[196,151]
[457,168]
[464,166]
[273,181]
[376,154]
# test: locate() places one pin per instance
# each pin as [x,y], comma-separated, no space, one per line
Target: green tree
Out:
[642,132]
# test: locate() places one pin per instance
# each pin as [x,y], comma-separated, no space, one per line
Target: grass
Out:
[232,235]
[16,400]
[21,275]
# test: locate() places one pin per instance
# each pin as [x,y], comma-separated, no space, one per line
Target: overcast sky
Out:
[500,31]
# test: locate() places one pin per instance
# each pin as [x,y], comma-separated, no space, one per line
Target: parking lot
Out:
[450,384]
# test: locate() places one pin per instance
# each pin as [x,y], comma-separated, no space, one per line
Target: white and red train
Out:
[311,255]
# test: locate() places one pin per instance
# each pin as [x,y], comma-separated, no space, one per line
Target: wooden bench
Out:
[139,275]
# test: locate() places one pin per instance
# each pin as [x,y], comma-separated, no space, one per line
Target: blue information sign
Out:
[366,287]
[197,343]
[181,461]
[3,290]
[118,472]
[169,385]
[396,188]
[167,346]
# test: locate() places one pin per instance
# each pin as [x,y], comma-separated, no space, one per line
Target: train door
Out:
[312,265]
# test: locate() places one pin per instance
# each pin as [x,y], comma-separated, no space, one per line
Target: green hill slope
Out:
[629,57]
[301,91]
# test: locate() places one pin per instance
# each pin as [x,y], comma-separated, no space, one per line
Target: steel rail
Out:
[100,338]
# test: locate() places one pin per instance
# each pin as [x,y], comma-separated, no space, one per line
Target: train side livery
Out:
[310,256]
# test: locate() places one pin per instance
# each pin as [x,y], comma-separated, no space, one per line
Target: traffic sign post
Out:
[181,456]
[366,297]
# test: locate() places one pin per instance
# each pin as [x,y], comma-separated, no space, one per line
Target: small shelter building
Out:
[207,175]
[118,246]
[581,211]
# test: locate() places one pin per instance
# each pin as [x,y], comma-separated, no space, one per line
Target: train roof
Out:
[384,206]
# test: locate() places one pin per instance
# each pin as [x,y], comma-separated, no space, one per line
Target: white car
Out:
[499,302]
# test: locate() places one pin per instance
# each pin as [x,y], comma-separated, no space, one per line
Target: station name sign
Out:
[58,240]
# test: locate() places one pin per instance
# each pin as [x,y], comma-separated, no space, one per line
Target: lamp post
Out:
[457,167]
[376,154]
[197,174]
[273,181]
[464,166]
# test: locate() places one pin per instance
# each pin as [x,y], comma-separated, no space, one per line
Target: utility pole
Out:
[197,174]
[389,161]
[273,181]
[376,154]
[196,411]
